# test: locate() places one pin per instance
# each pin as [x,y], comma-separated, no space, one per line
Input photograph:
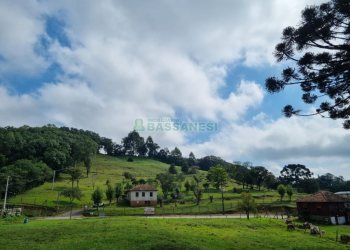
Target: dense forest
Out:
[30,155]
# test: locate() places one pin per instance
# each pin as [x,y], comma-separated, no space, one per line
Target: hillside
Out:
[111,168]
[103,168]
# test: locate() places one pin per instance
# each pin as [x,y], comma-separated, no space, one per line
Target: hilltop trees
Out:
[152,147]
[133,143]
[259,174]
[294,173]
[319,50]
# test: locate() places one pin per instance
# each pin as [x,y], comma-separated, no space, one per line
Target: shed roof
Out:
[324,196]
[143,187]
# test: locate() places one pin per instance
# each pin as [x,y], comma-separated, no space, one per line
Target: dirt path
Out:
[76,214]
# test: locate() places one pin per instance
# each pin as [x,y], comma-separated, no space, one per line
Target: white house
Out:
[142,195]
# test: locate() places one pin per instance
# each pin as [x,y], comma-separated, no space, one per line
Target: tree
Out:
[133,143]
[163,155]
[281,189]
[87,163]
[322,69]
[309,186]
[72,194]
[289,191]
[107,145]
[247,203]
[259,174]
[75,175]
[109,193]
[218,177]
[185,169]
[197,189]
[207,162]
[167,183]
[270,181]
[176,156]
[240,173]
[192,160]
[294,173]
[332,183]
[152,147]
[187,186]
[118,191]
[172,169]
[97,197]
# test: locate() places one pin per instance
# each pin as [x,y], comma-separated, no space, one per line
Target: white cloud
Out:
[321,144]
[20,28]
[133,59]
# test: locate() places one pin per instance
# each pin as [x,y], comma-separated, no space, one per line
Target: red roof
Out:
[324,196]
[143,187]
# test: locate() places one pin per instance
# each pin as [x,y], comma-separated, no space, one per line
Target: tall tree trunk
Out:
[71,209]
[222,202]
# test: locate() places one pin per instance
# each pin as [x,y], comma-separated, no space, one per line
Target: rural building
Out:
[344,193]
[325,206]
[142,196]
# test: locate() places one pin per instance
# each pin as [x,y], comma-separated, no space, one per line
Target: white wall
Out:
[132,196]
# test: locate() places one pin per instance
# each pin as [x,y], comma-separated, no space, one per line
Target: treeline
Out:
[29,154]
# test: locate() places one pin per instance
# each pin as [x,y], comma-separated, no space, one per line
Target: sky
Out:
[101,65]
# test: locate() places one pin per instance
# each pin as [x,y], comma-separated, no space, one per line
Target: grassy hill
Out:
[103,168]
[111,168]
[153,233]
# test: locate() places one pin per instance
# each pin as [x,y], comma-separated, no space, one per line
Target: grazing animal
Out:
[307,225]
[290,227]
[288,221]
[345,239]
[315,230]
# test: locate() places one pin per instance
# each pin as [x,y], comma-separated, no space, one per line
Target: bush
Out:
[130,159]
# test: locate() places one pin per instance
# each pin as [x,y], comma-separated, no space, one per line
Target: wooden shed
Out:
[325,206]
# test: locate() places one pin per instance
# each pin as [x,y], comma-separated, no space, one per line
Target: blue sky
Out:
[101,66]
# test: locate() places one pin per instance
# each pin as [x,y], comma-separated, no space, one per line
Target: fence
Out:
[200,209]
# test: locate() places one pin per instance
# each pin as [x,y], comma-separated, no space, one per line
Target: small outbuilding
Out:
[142,195]
[325,206]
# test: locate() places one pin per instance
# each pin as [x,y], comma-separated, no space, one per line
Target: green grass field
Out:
[111,168]
[104,168]
[152,233]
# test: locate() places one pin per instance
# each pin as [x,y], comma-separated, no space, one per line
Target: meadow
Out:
[154,233]
[112,169]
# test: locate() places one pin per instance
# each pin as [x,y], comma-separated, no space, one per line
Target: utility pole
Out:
[7,187]
[53,179]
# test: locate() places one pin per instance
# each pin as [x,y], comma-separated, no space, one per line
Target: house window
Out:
[151,194]
[137,194]
[143,194]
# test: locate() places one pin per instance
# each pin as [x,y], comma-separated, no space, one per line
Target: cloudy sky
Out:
[99,65]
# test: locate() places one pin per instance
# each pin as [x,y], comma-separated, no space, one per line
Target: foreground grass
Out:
[152,233]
